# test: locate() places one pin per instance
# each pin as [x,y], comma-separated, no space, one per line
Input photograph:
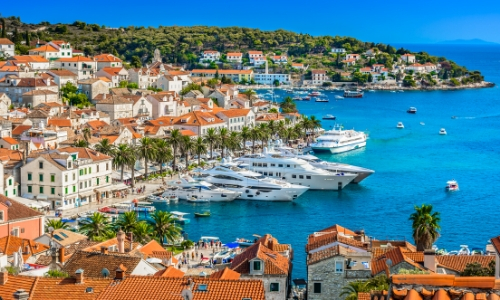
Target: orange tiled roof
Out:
[150,247]
[188,132]
[320,255]
[65,73]
[438,280]
[10,244]
[221,72]
[106,58]
[112,71]
[274,263]
[496,243]
[93,263]
[59,122]
[10,140]
[225,273]
[170,272]
[97,124]
[85,153]
[234,54]
[459,262]
[254,52]
[66,288]
[143,287]
[17,210]
[44,48]
[397,256]
[78,58]
[232,113]
[5,41]
[198,118]
[30,58]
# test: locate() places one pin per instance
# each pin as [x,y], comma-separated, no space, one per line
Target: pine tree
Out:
[28,38]
[4,29]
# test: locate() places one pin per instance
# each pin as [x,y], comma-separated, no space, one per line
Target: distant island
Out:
[468,42]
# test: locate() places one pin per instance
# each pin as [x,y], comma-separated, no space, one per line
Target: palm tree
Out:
[132,161]
[164,154]
[127,221]
[80,143]
[200,148]
[233,141]
[425,226]
[315,123]
[223,136]
[86,135]
[288,134]
[96,227]
[272,126]
[264,134]
[164,226]
[351,290]
[143,232]
[55,224]
[122,157]
[250,94]
[245,135]
[147,150]
[212,139]
[186,146]
[105,147]
[175,140]
[254,135]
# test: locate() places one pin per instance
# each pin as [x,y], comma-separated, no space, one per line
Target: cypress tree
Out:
[28,38]
[4,30]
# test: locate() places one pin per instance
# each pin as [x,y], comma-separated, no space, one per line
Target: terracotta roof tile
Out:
[93,263]
[225,273]
[170,272]
[17,210]
[15,283]
[364,296]
[142,287]
[459,262]
[397,256]
[85,153]
[59,122]
[78,58]
[10,244]
[10,140]
[67,289]
[232,113]
[106,58]
[496,243]
[274,263]
[44,48]
[63,73]
[221,72]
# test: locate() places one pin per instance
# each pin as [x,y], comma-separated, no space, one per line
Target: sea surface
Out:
[412,166]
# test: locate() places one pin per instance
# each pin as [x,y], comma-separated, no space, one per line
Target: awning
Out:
[139,171]
[28,196]
[119,186]
[87,193]
[41,197]
[118,175]
[31,203]
[104,189]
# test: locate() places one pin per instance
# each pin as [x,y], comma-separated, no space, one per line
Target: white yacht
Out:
[338,140]
[442,131]
[400,125]
[186,188]
[295,171]
[251,185]
[334,167]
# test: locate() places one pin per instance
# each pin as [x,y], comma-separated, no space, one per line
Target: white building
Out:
[34,62]
[236,119]
[408,58]
[116,75]
[199,122]
[170,83]
[61,77]
[210,55]
[116,107]
[82,66]
[235,57]
[318,76]
[252,55]
[54,50]
[107,61]
[6,47]
[144,77]
[270,78]
[164,104]
[280,59]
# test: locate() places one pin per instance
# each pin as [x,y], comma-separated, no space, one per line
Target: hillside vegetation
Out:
[182,45]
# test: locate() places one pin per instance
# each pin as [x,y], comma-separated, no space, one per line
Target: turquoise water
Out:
[412,166]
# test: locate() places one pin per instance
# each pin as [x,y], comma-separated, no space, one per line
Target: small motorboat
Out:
[412,110]
[314,94]
[329,117]
[453,117]
[339,97]
[306,98]
[297,98]
[322,100]
[393,91]
[401,91]
[400,125]
[464,250]
[202,215]
[371,91]
[244,242]
[477,251]
[442,131]
[451,186]
[422,123]
[196,199]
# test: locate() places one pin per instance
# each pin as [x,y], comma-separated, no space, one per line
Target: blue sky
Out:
[387,21]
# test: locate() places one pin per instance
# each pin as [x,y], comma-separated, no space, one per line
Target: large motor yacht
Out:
[338,140]
[295,171]
[186,188]
[334,167]
[251,185]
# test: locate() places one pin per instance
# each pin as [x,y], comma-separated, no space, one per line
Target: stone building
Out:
[116,107]
[93,87]
[335,257]
[35,97]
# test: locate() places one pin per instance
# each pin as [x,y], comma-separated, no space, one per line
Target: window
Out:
[10,181]
[40,165]
[288,166]
[74,176]
[273,165]
[29,176]
[107,179]
[52,177]
[15,232]
[90,170]
[294,176]
[6,193]
[30,188]
[97,168]
[65,190]
[339,266]
[256,265]
[81,172]
[1,215]
[97,181]
[308,177]
[280,165]
[66,178]
[107,167]
[40,177]
[74,188]
[41,190]
[301,176]
[14,191]
[52,190]
[317,287]
[274,287]
[81,185]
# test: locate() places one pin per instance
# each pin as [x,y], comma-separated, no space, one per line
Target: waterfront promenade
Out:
[151,188]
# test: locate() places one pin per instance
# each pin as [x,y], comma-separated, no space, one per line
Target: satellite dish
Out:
[8,203]
[389,262]
[51,229]
[105,273]
[187,294]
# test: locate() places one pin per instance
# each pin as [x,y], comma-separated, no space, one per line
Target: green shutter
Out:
[6,194]
[81,172]
[66,190]
[40,176]
[14,191]
[52,178]
[29,176]
[107,179]
[52,190]
[41,190]
[97,181]
[74,188]
[29,188]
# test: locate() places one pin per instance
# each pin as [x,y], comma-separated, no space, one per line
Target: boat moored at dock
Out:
[338,140]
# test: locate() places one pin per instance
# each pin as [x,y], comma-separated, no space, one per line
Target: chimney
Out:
[430,260]
[131,238]
[104,250]
[120,272]
[61,254]
[21,295]
[4,276]
[79,276]
[120,236]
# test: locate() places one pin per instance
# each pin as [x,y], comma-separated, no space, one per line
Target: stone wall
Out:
[267,280]
[331,282]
